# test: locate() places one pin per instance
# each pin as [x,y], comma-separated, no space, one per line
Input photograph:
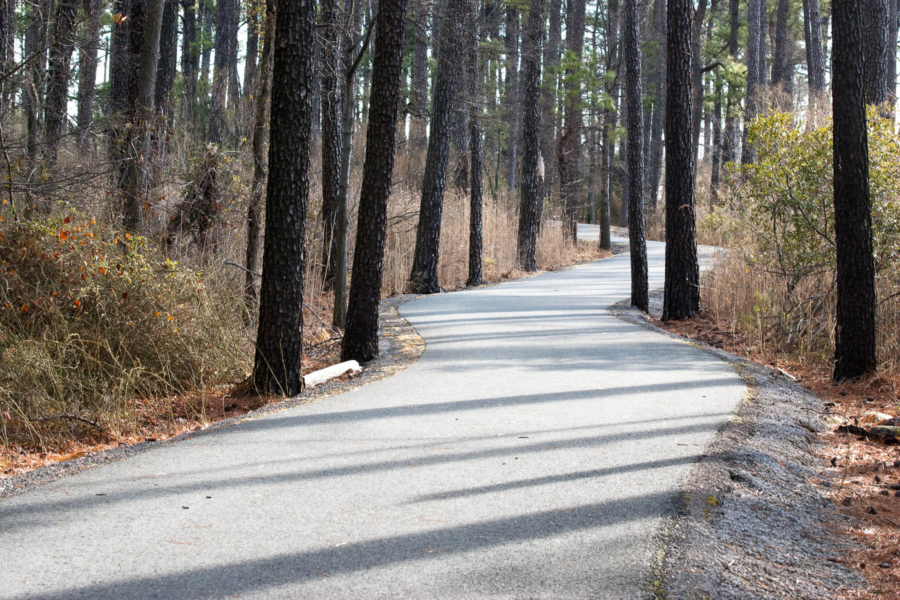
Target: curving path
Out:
[533,452]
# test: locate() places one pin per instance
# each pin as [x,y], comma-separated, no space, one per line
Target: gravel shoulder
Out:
[399,346]
[754,523]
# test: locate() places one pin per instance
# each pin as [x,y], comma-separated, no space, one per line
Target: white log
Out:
[328,373]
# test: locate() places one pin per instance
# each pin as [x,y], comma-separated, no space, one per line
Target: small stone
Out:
[872,510]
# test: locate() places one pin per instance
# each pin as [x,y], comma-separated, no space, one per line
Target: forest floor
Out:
[857,473]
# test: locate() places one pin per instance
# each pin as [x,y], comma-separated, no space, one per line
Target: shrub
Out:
[92,321]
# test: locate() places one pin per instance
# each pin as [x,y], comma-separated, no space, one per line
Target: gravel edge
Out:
[400,345]
[753,520]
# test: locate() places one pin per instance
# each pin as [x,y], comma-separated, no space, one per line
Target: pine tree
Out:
[631,44]
[682,284]
[361,335]
[531,194]
[279,342]
[855,335]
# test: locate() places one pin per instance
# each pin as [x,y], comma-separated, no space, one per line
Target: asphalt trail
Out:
[533,452]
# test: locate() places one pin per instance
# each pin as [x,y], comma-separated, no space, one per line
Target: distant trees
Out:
[279,343]
[855,328]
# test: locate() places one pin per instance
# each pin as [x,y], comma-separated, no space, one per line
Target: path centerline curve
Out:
[533,451]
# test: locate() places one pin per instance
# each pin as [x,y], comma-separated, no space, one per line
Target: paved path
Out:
[532,452]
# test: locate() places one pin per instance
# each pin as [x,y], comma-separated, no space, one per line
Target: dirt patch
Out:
[756,519]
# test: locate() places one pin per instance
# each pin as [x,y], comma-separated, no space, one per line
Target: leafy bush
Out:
[777,219]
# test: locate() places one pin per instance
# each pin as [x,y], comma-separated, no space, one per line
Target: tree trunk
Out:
[631,45]
[260,136]
[756,11]
[279,341]
[512,97]
[894,28]
[352,23]
[568,150]
[697,78]
[659,106]
[252,53]
[531,196]
[61,46]
[87,70]
[7,50]
[475,148]
[729,142]
[168,55]
[610,119]
[424,276]
[548,95]
[716,141]
[876,16]
[206,36]
[682,282]
[35,45]
[331,135]
[782,66]
[361,335]
[189,57]
[815,49]
[419,109]
[222,70]
[855,334]
[139,137]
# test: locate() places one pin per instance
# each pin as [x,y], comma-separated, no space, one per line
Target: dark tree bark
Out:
[568,151]
[697,77]
[610,120]
[729,142]
[252,53]
[659,105]
[61,46]
[631,45]
[424,276]
[512,96]
[531,195]
[332,76]
[716,140]
[361,336]
[120,73]
[894,28]
[234,82]
[876,15]
[279,342]
[419,109]
[549,118]
[7,51]
[783,65]
[815,48]
[190,56]
[35,45]
[353,46]
[475,148]
[139,136]
[225,10]
[260,137]
[206,33]
[855,333]
[168,55]
[682,284]
[87,69]
[755,9]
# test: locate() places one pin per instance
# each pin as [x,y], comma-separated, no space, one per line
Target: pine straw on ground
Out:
[867,469]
